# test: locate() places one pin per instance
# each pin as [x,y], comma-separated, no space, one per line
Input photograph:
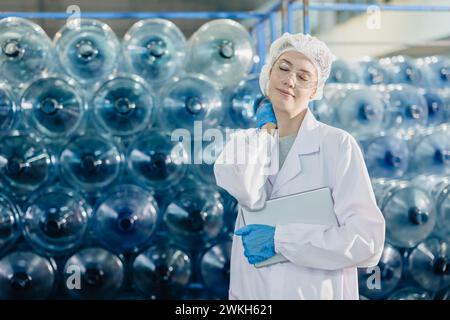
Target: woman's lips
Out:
[284,93]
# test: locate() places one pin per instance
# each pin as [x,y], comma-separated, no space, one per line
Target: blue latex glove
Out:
[265,114]
[258,242]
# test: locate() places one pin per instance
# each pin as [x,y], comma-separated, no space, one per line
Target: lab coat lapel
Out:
[306,142]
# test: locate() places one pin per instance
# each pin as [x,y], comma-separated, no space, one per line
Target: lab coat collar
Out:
[307,141]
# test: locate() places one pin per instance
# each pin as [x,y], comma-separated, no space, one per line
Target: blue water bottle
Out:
[55,220]
[343,72]
[195,215]
[93,273]
[191,100]
[359,110]
[123,105]
[27,163]
[372,72]
[26,52]
[407,109]
[429,264]
[439,187]
[431,151]
[87,50]
[222,50]
[156,160]
[437,106]
[242,103]
[409,211]
[9,223]
[390,268]
[91,163]
[53,107]
[26,275]
[162,272]
[125,218]
[155,49]
[215,268]
[9,110]
[386,155]
[437,70]
[402,69]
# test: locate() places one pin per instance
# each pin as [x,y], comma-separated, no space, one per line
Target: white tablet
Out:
[309,207]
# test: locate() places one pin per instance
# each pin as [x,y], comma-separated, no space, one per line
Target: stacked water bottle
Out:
[98,200]
[398,108]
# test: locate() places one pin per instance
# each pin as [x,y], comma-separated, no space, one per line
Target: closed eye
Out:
[303,78]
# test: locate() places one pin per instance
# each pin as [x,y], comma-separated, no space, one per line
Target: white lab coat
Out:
[323,260]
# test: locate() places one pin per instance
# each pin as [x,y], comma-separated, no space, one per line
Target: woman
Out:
[322,260]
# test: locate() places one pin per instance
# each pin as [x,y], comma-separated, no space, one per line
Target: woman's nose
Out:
[290,80]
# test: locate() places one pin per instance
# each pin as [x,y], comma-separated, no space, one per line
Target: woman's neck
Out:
[289,123]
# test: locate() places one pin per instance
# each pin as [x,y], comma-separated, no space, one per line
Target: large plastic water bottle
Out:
[437,106]
[123,105]
[25,51]
[358,109]
[8,108]
[26,275]
[429,264]
[191,98]
[205,153]
[431,151]
[386,155]
[439,186]
[156,160]
[390,270]
[55,220]
[402,69]
[438,70]
[93,273]
[243,102]
[88,50]
[25,164]
[9,223]
[371,72]
[91,162]
[409,211]
[410,293]
[222,50]
[54,107]
[343,72]
[215,268]
[125,218]
[155,49]
[407,109]
[162,272]
[323,110]
[195,215]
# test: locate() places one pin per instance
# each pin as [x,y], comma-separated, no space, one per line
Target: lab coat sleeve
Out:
[244,165]
[358,240]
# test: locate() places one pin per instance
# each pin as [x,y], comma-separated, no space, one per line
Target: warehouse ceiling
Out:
[121,26]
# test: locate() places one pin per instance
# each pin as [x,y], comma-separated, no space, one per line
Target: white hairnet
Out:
[314,49]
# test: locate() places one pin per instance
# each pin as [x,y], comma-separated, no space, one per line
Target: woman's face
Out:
[292,81]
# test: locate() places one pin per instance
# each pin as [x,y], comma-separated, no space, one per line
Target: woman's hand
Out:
[266,117]
[258,241]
